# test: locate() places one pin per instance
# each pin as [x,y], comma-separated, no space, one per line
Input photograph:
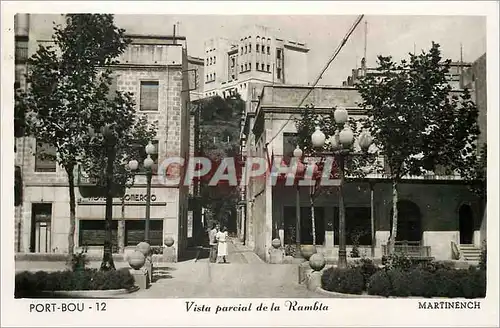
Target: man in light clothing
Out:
[213,242]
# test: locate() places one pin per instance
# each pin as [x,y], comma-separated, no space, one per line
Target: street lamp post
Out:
[341,143]
[148,164]
[297,153]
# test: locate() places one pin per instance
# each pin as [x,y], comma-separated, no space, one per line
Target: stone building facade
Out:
[435,210]
[258,56]
[154,69]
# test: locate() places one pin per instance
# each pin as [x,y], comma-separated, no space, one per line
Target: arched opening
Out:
[409,221]
[466,224]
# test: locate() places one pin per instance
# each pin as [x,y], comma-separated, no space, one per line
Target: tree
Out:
[220,129]
[415,119]
[68,88]
[356,166]
[130,134]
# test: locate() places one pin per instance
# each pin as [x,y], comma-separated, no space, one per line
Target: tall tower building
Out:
[257,56]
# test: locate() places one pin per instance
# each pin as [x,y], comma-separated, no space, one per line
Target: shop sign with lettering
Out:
[126,197]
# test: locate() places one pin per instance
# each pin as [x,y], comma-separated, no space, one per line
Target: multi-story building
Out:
[154,69]
[437,211]
[257,56]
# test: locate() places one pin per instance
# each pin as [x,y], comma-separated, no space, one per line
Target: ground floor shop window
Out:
[357,225]
[134,232]
[92,233]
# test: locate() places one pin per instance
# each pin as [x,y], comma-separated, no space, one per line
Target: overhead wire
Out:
[332,58]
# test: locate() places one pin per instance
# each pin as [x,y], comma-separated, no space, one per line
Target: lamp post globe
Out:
[365,141]
[318,138]
[346,137]
[341,116]
[148,162]
[133,165]
[150,148]
[297,152]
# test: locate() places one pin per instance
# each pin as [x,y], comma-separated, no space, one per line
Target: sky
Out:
[393,35]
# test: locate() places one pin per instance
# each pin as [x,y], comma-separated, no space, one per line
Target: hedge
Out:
[425,283]
[348,281]
[30,284]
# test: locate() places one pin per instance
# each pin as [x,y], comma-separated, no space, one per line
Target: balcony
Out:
[412,249]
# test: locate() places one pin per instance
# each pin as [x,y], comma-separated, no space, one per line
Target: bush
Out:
[79,261]
[424,283]
[380,284]
[397,262]
[349,281]
[367,268]
[482,257]
[29,284]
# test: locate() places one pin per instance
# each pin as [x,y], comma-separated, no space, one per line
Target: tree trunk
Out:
[394,230]
[107,258]
[121,229]
[372,219]
[313,221]
[72,209]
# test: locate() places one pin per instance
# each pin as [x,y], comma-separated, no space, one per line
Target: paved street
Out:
[246,276]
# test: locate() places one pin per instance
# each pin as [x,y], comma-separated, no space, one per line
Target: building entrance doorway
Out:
[409,221]
[466,224]
[41,219]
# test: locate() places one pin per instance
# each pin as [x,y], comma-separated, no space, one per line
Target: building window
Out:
[278,73]
[92,233]
[233,77]
[262,66]
[250,48]
[268,67]
[278,53]
[241,68]
[246,67]
[289,144]
[268,50]
[45,158]
[149,95]
[257,48]
[21,52]
[233,62]
[134,232]
[249,66]
[257,66]
[207,61]
[214,59]
[214,76]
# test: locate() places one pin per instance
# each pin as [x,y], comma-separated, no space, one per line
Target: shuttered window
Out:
[149,95]
[45,158]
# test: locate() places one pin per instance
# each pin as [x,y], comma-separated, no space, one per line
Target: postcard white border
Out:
[172,312]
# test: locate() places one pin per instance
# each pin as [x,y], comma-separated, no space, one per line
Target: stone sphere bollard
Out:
[276,243]
[317,262]
[307,251]
[144,248]
[169,241]
[136,260]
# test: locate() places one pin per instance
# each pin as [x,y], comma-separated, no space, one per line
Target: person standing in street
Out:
[222,247]
[212,238]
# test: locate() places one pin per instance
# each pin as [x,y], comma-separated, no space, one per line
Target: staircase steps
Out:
[470,252]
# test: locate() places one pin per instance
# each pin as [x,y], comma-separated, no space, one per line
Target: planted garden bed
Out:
[401,277]
[78,283]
